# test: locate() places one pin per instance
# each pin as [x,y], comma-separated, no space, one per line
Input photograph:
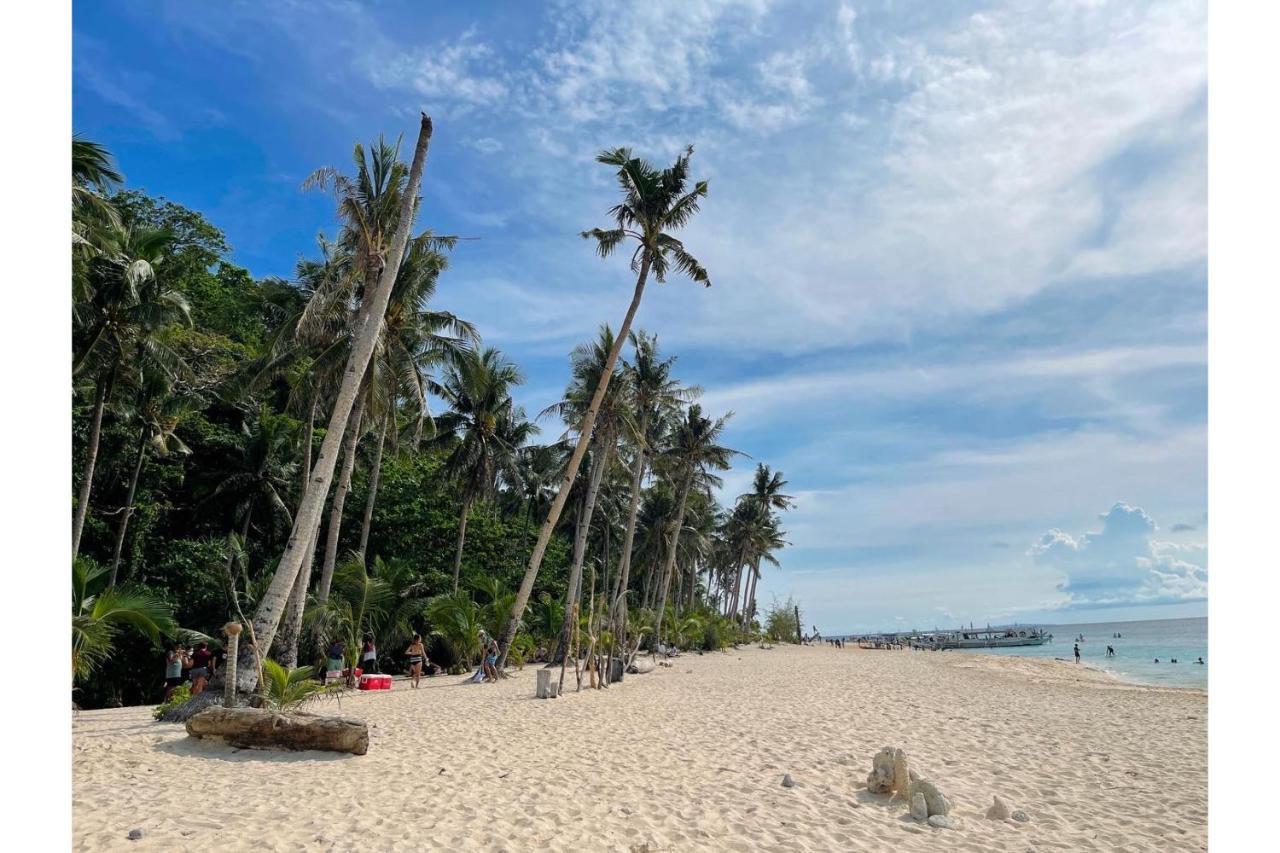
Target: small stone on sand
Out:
[999,810]
[787,781]
[135,834]
[941,821]
[1020,816]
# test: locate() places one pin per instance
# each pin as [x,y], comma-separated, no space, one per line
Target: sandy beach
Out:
[689,757]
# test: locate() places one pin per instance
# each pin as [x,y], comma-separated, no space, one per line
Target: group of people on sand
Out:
[198,664]
[415,656]
[838,642]
[183,664]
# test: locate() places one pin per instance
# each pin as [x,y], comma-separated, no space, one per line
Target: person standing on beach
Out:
[201,668]
[491,660]
[417,654]
[174,663]
[369,655]
[1076,649]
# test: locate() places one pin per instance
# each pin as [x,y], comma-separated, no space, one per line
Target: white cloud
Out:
[1123,563]
[486,145]
[459,71]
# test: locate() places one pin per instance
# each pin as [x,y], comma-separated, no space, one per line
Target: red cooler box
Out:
[370,681]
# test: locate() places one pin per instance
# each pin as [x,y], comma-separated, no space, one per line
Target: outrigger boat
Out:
[989,638]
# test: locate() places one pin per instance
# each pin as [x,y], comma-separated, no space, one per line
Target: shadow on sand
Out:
[205,748]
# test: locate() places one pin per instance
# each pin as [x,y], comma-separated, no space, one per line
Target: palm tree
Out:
[694,453]
[260,477]
[98,615]
[655,202]
[654,396]
[758,530]
[159,411]
[588,363]
[458,621]
[94,219]
[119,330]
[481,419]
[366,327]
[360,599]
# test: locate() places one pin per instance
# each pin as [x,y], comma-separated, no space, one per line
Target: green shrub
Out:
[288,689]
[180,694]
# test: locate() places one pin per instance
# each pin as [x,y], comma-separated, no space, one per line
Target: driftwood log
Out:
[640,666]
[254,727]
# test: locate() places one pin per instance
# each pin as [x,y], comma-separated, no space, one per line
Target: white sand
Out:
[687,758]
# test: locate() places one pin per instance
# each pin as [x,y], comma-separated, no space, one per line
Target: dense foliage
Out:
[200,396]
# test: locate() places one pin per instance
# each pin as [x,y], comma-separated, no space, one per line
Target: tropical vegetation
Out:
[338,454]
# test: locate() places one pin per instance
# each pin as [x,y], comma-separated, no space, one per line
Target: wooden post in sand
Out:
[232,630]
[799,636]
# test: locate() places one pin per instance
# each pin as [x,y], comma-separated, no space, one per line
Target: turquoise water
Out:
[1139,644]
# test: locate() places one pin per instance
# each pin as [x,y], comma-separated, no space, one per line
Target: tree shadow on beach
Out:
[191,747]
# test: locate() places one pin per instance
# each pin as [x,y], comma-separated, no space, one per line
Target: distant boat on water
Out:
[989,638]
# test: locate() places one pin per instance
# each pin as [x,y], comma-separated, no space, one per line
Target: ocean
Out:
[1137,648]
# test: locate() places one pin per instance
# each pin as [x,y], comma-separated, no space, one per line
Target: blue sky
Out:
[958,249]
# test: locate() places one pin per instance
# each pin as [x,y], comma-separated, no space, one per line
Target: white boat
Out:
[990,638]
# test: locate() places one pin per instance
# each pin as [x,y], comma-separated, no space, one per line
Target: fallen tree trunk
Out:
[253,727]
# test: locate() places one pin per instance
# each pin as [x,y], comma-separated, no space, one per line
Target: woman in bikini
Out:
[417,657]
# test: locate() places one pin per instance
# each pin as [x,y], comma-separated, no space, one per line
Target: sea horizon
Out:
[1142,642]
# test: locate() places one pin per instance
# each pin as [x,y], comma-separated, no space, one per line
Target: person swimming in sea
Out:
[1200,661]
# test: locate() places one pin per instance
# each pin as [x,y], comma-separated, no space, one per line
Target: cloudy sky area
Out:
[958,249]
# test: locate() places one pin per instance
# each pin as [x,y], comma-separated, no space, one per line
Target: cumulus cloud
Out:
[1123,563]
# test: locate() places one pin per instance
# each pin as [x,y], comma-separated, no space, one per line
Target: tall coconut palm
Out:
[695,452]
[416,341]
[159,411]
[757,527]
[588,363]
[655,203]
[481,416]
[258,478]
[94,220]
[655,395]
[118,330]
[367,327]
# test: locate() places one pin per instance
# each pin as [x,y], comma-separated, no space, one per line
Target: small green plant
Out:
[288,689]
[521,648]
[179,695]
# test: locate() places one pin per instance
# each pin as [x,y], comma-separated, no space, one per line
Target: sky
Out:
[958,250]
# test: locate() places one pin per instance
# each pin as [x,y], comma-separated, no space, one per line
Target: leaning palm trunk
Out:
[375,473]
[290,632]
[580,542]
[334,529]
[618,607]
[671,554]
[91,461]
[462,540]
[366,328]
[128,506]
[575,462]
[285,647]
[749,607]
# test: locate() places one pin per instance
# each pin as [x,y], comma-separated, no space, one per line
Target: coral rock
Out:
[919,808]
[999,810]
[880,779]
[933,798]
